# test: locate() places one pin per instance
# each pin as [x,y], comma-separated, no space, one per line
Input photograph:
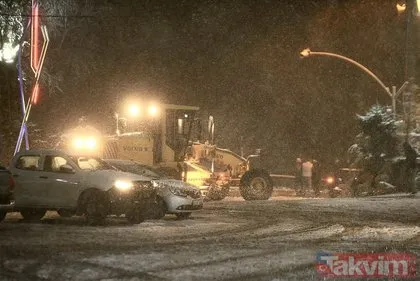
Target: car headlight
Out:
[123,185]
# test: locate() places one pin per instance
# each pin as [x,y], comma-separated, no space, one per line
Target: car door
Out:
[63,181]
[29,181]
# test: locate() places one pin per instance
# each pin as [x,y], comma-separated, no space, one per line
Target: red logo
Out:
[383,265]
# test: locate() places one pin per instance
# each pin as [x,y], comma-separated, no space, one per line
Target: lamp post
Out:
[393,95]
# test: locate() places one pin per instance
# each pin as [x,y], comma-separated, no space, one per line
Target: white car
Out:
[174,196]
[53,180]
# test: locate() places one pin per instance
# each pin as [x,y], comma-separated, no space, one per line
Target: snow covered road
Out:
[227,240]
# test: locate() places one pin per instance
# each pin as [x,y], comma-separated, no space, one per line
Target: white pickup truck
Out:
[74,185]
[6,188]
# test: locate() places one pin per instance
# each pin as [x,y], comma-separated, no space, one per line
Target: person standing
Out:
[410,167]
[316,177]
[307,175]
[298,177]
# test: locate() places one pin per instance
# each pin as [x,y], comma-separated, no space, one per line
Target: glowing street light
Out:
[401,7]
[307,53]
[8,53]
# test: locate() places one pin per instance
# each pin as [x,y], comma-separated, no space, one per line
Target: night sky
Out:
[237,60]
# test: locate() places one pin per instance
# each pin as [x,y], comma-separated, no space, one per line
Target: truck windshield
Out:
[91,163]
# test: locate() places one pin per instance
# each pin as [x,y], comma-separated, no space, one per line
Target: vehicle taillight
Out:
[11,184]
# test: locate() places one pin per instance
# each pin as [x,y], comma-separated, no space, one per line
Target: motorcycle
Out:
[332,184]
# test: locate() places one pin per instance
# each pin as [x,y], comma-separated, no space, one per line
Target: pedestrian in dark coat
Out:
[410,167]
[298,177]
[316,177]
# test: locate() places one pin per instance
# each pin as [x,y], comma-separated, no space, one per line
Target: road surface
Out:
[227,240]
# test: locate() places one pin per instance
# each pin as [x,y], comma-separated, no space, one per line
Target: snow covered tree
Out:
[377,140]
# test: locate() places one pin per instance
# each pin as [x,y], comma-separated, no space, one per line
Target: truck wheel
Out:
[96,208]
[217,192]
[32,214]
[183,216]
[256,185]
[65,213]
[135,216]
[2,215]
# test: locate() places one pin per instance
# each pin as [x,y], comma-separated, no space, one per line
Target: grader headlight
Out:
[77,143]
[85,143]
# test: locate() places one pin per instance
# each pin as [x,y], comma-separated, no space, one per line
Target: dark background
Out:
[237,60]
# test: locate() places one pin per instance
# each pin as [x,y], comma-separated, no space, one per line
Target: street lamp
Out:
[307,53]
[401,7]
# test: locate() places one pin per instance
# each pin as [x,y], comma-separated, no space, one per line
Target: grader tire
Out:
[256,185]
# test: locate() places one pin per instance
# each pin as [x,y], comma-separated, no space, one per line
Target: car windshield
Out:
[91,163]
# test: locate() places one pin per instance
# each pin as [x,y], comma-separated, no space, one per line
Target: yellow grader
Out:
[172,141]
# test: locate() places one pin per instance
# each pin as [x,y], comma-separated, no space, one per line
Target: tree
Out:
[377,140]
[11,32]
[11,28]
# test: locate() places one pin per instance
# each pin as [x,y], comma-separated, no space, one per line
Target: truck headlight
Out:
[123,185]
[85,143]
[91,143]
[77,143]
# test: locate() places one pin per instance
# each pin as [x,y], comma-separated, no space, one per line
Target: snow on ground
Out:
[387,204]
[216,265]
[66,231]
[314,234]
[273,198]
[388,233]
[285,225]
[229,239]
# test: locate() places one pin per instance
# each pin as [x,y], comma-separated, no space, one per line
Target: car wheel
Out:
[183,216]
[2,215]
[135,216]
[158,210]
[32,214]
[96,208]
[256,185]
[65,213]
